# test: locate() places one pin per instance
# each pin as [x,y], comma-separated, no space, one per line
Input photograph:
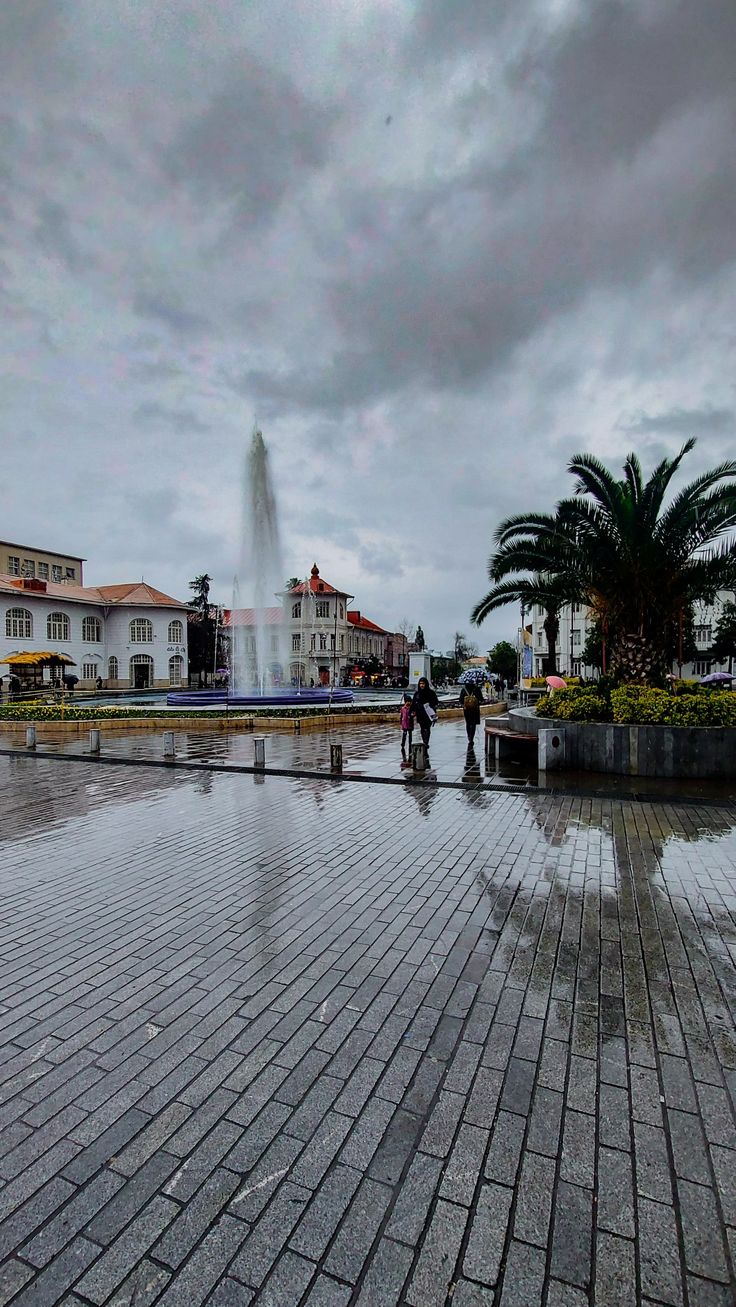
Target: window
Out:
[575,637]
[57,626]
[312,642]
[112,669]
[703,634]
[332,642]
[342,642]
[701,667]
[342,611]
[92,629]
[18,624]
[296,643]
[13,565]
[141,631]
[576,608]
[274,644]
[89,671]
[176,632]
[175,665]
[296,610]
[43,571]
[55,572]
[71,573]
[28,568]
[323,607]
[323,642]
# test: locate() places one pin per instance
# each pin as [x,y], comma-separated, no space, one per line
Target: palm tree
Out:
[545,589]
[636,562]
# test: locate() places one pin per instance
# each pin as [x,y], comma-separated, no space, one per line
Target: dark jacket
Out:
[422,697]
[472,714]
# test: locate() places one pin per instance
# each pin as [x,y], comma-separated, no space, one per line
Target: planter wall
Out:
[696,752]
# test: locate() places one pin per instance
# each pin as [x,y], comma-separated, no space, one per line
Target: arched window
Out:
[92,629]
[112,669]
[57,626]
[89,670]
[176,632]
[141,671]
[18,624]
[141,631]
[296,610]
[175,666]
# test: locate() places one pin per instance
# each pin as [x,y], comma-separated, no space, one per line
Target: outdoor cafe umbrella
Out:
[473,676]
[45,658]
[716,678]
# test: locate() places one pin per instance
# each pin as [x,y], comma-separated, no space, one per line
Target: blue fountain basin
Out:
[274,698]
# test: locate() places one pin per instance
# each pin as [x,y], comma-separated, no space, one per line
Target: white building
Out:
[576,621]
[132,636]
[324,638]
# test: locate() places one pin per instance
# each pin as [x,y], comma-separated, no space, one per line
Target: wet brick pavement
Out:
[306,1044]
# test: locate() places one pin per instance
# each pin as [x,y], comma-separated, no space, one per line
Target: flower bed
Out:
[638,705]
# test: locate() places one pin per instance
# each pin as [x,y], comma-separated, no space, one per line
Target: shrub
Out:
[582,704]
[640,705]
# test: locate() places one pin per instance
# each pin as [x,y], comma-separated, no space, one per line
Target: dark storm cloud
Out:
[55,236]
[680,421]
[257,137]
[169,310]
[178,419]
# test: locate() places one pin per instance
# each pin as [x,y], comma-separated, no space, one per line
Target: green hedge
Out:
[639,705]
[57,712]
[573,705]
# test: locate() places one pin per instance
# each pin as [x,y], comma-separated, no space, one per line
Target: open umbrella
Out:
[556,682]
[473,676]
[716,678]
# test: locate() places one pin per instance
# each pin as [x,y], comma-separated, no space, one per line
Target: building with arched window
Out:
[129,636]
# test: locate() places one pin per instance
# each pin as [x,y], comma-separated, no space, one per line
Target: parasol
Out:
[716,678]
[473,676]
[43,659]
[556,682]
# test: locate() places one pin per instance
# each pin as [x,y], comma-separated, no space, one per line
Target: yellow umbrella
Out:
[41,659]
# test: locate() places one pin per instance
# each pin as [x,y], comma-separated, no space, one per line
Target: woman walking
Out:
[424,704]
[471,698]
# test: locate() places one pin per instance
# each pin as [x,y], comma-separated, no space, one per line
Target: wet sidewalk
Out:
[296,1042]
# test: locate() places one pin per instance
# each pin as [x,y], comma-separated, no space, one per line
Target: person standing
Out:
[406,718]
[424,705]
[471,699]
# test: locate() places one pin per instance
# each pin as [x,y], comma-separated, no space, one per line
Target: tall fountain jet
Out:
[260,672]
[258,652]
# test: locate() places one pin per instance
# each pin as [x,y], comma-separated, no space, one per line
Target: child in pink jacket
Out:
[406,718]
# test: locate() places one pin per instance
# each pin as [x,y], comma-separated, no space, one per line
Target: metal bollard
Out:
[94,741]
[419,759]
[169,746]
[259,750]
[335,757]
[30,737]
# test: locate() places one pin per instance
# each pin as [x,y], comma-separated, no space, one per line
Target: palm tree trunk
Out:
[551,626]
[637,660]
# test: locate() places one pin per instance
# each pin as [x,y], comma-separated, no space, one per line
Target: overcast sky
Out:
[435,248]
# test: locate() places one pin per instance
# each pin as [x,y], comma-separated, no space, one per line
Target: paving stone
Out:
[704,1252]
[653,1177]
[502,1160]
[415,1197]
[270,1234]
[468,1294]
[195,1218]
[358,1230]
[615,1192]
[489,1222]
[523,1277]
[325,1212]
[464,1165]
[326,1292]
[659,1260]
[572,1235]
[73,1218]
[207,1264]
[615,1271]
[133,1196]
[59,1275]
[434,1270]
[545,1123]
[534,1200]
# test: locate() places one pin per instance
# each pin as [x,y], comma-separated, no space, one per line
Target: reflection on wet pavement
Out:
[298,1041]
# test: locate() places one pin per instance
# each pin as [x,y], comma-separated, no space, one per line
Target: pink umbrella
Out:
[556,682]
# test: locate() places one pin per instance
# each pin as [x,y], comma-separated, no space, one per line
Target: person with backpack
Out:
[471,698]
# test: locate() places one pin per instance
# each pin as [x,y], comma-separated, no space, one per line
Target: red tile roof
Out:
[364,623]
[247,616]
[316,585]
[134,592]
